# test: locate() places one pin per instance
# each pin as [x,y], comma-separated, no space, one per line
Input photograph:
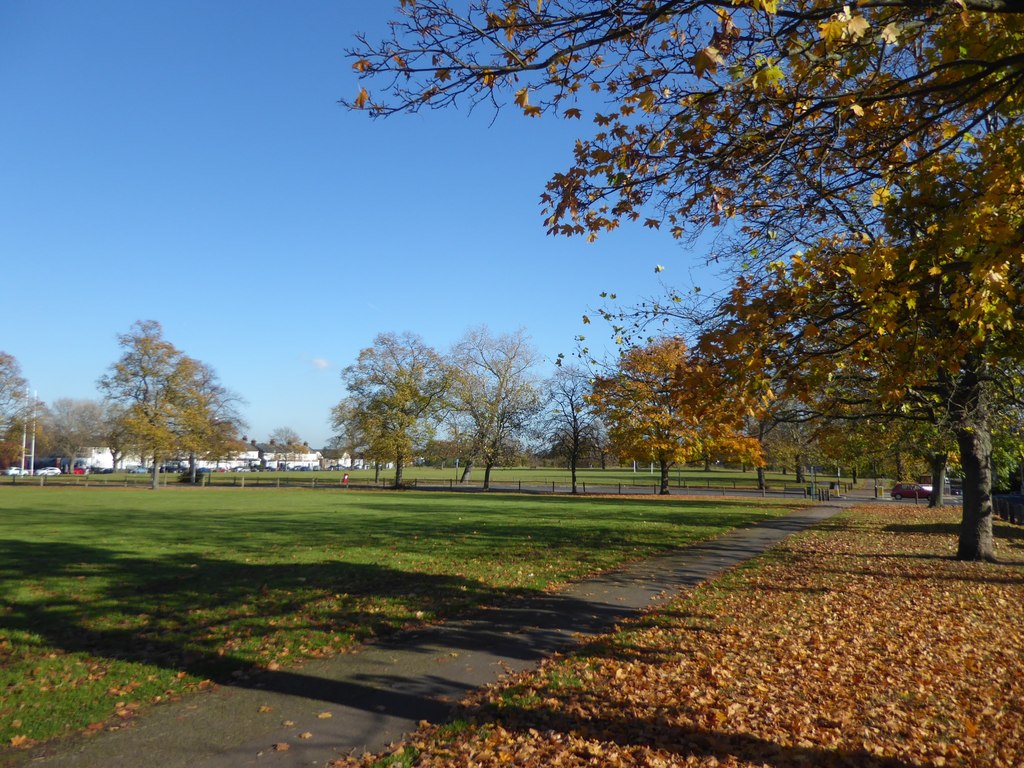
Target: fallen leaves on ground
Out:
[862,643]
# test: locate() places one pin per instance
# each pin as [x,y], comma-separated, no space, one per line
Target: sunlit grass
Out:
[116,598]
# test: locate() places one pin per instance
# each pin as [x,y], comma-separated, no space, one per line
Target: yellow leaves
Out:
[891,33]
[363,65]
[857,27]
[768,78]
[522,100]
[361,99]
[881,196]
[648,100]
[706,60]
[843,26]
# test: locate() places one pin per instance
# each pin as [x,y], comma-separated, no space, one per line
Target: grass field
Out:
[114,599]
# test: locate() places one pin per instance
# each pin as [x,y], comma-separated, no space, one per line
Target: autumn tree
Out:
[569,424]
[662,405]
[396,390]
[494,396]
[810,125]
[158,392]
[13,391]
[210,422]
[13,404]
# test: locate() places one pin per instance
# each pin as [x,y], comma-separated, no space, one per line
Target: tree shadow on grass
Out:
[181,611]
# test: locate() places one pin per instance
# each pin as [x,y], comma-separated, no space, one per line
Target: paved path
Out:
[377,695]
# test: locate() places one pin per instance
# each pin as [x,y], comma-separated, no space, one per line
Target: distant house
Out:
[273,456]
[256,456]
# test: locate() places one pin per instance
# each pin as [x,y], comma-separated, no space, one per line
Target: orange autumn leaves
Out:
[663,404]
[863,643]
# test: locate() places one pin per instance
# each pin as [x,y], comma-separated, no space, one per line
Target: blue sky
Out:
[188,162]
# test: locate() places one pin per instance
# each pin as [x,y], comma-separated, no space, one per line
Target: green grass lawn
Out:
[113,599]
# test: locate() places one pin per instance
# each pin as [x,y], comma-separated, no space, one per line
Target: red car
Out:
[911,491]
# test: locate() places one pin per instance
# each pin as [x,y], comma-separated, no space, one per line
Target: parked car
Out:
[48,471]
[80,471]
[911,491]
[15,471]
[138,471]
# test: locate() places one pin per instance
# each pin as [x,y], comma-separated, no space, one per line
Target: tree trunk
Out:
[974,438]
[761,482]
[664,466]
[938,467]
[488,466]
[376,472]
[192,468]
[572,471]
[467,471]
[800,478]
[707,463]
[399,461]
[156,473]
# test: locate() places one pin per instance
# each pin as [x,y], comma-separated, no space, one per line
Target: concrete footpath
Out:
[366,700]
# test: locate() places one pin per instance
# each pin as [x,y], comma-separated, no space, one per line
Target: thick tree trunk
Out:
[761,483]
[192,468]
[572,472]
[467,471]
[974,439]
[488,466]
[938,467]
[664,467]
[800,477]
